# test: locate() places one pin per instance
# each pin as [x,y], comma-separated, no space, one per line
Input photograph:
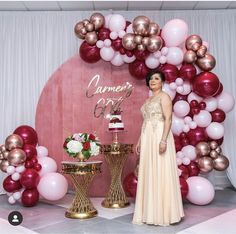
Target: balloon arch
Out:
[199,102]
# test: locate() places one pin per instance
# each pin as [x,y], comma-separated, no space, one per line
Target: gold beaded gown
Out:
[158,199]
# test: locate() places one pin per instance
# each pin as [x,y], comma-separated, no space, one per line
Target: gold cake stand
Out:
[82,174]
[115,155]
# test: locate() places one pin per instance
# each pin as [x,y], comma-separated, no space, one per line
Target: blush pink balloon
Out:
[189,152]
[48,165]
[177,125]
[203,119]
[225,101]
[181,108]
[175,56]
[42,151]
[166,88]
[215,130]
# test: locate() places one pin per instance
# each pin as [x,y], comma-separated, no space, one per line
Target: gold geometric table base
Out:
[82,175]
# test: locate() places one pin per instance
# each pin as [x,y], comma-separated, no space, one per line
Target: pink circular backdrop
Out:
[63,109]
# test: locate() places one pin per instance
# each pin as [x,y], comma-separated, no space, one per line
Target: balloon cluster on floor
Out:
[31,172]
[199,102]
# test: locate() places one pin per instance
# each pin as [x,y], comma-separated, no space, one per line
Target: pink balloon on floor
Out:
[201,191]
[53,186]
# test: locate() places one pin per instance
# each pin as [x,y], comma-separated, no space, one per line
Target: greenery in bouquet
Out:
[85,143]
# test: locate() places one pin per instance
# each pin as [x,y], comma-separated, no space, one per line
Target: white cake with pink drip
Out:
[115,123]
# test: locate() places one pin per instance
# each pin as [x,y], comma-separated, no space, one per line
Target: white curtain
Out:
[34,44]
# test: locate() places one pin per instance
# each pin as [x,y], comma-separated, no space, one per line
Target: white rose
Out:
[74,146]
[94,148]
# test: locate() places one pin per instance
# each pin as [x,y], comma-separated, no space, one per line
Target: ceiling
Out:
[113,5]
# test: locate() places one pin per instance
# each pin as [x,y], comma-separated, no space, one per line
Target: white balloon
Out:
[179,81]
[192,125]
[179,172]
[128,59]
[162,59]
[107,19]
[215,130]
[17,195]
[121,33]
[189,152]
[113,35]
[177,125]
[187,119]
[173,86]
[211,104]
[117,59]
[117,23]
[179,161]
[180,89]
[175,56]
[225,102]
[107,42]
[181,108]
[48,165]
[20,168]
[166,89]
[10,170]
[152,62]
[107,53]
[129,29]
[164,51]
[157,54]
[186,128]
[99,44]
[179,154]
[174,32]
[15,176]
[194,96]
[41,151]
[203,119]
[186,88]
[11,200]
[186,161]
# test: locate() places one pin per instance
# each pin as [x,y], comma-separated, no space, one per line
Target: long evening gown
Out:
[158,199]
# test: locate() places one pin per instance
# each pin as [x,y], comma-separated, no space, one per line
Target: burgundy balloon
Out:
[187,72]
[37,167]
[10,185]
[185,142]
[179,97]
[183,187]
[28,134]
[178,145]
[218,116]
[138,69]
[202,105]
[122,51]
[194,103]
[195,110]
[89,53]
[171,72]
[129,53]
[30,178]
[193,169]
[185,171]
[219,91]
[34,160]
[30,197]
[196,135]
[30,151]
[206,84]
[183,135]
[29,164]
[116,44]
[103,34]
[141,54]
[130,184]
[127,24]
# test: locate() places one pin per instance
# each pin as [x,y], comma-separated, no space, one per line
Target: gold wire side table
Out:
[82,174]
[115,155]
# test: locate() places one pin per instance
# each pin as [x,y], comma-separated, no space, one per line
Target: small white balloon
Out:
[187,119]
[203,119]
[180,154]
[173,86]
[128,59]
[107,53]
[17,195]
[179,81]
[177,125]
[121,33]
[157,54]
[107,43]
[20,168]
[180,89]
[194,96]
[15,176]
[186,88]
[113,35]
[99,44]
[189,151]
[164,51]
[186,128]
[162,59]
[192,125]
[10,170]
[117,60]
[211,104]
[11,200]
[166,89]
[186,161]
[179,161]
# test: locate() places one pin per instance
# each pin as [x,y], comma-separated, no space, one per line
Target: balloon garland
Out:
[199,102]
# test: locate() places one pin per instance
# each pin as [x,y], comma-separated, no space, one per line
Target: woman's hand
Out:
[162,147]
[137,148]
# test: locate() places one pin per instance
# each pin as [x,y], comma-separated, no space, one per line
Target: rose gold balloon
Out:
[154,29]
[190,56]
[207,63]
[91,38]
[155,43]
[221,163]
[218,150]
[138,39]
[145,41]
[85,22]
[203,149]
[2,148]
[16,157]
[13,141]
[141,47]
[202,51]
[3,166]
[196,46]
[141,25]
[5,154]
[77,30]
[213,154]
[98,20]
[192,40]
[89,27]
[1,156]
[213,145]
[128,41]
[205,164]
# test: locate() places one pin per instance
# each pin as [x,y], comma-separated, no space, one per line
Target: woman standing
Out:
[158,199]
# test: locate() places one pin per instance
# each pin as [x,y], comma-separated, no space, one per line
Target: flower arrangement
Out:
[82,143]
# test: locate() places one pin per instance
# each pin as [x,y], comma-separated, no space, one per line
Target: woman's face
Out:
[155,82]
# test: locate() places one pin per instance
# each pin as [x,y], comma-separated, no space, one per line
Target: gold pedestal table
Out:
[82,174]
[115,155]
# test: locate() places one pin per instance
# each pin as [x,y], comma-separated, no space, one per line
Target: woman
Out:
[158,199]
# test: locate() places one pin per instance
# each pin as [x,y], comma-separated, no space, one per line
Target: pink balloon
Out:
[117,23]
[225,102]
[189,152]
[152,62]
[215,130]
[211,103]
[107,53]
[53,186]
[194,96]
[203,119]
[177,125]
[201,191]
[42,151]
[166,88]
[48,165]
[181,108]
[175,56]
[174,32]
[117,60]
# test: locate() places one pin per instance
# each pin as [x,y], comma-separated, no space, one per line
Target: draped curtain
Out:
[34,44]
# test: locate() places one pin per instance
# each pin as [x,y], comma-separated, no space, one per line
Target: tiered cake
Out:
[116,121]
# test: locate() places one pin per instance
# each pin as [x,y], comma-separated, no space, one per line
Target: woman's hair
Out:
[149,76]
